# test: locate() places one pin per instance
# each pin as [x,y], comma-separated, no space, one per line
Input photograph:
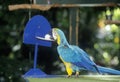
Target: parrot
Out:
[76,59]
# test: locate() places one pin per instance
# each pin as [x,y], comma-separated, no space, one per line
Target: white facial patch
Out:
[54,34]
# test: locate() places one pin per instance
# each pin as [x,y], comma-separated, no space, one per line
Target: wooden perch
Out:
[45,7]
[112,22]
[29,6]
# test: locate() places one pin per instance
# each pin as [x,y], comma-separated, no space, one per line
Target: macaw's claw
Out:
[77,74]
[68,76]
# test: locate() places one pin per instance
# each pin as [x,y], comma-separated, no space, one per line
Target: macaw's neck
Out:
[62,41]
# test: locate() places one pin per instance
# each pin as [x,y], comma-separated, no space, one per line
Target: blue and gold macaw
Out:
[76,59]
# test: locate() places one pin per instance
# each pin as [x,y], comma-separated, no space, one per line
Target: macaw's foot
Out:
[68,76]
[77,74]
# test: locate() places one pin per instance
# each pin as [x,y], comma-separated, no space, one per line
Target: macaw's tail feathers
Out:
[108,70]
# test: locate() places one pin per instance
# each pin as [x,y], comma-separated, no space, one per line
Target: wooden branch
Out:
[29,6]
[112,22]
[45,7]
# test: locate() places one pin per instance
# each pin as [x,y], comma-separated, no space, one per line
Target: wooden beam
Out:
[84,5]
[44,7]
[29,6]
[76,1]
[112,22]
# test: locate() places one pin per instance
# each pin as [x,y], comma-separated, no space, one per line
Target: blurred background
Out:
[98,38]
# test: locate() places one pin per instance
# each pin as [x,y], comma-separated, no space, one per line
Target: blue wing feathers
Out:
[83,55]
[76,56]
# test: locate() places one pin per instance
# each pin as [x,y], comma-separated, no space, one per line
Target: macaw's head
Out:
[59,36]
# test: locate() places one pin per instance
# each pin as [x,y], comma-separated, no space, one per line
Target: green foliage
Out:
[116,14]
[107,44]
[12,69]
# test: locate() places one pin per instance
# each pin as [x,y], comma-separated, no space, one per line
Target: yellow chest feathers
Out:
[68,67]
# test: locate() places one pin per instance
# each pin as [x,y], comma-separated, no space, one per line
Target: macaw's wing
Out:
[82,58]
[76,56]
[82,54]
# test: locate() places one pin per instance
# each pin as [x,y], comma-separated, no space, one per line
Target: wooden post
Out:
[74,22]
